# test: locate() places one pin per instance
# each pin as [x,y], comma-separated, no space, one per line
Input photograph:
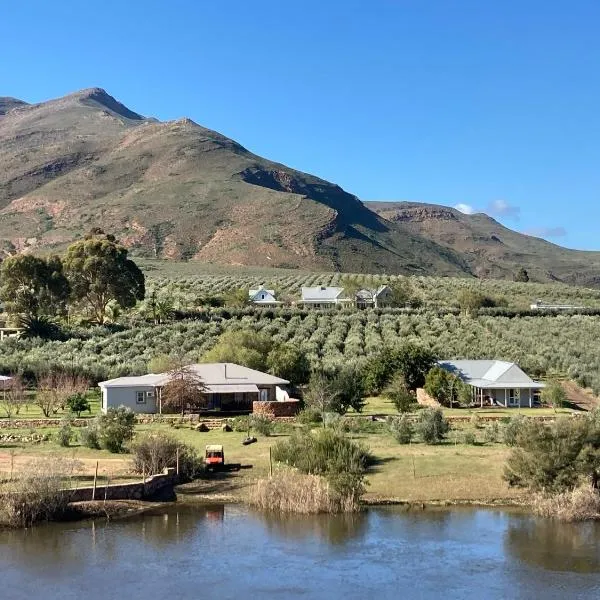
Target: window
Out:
[140,397]
[264,395]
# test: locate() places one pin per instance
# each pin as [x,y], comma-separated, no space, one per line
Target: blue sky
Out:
[489,105]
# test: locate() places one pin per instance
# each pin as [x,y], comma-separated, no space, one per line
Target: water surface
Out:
[231,552]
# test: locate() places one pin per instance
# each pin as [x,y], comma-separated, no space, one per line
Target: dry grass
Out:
[291,491]
[579,504]
[37,493]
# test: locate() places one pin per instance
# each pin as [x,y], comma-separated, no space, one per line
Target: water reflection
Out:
[554,545]
[333,529]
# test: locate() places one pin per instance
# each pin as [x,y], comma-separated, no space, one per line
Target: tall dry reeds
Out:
[579,504]
[291,491]
[38,493]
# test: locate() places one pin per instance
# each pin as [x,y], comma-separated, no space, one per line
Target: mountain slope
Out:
[489,248]
[179,190]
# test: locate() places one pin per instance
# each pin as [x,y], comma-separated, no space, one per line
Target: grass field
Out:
[451,471]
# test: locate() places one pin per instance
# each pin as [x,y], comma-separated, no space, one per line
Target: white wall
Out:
[113,397]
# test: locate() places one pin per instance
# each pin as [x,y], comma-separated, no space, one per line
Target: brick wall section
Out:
[127,491]
[425,399]
[286,408]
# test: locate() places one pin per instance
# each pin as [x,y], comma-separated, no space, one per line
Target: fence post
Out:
[95,481]
[177,462]
[270,463]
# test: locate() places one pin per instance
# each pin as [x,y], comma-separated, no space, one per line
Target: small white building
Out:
[539,305]
[227,386]
[324,297]
[495,382]
[263,297]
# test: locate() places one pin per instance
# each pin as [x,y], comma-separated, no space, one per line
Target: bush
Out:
[154,452]
[512,428]
[469,438]
[88,437]
[329,453]
[262,425]
[308,416]
[65,434]
[78,403]
[491,433]
[114,428]
[475,421]
[399,395]
[402,429]
[432,426]
[241,424]
[579,504]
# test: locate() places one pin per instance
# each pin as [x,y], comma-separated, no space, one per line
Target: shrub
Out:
[512,428]
[88,437]
[240,424]
[329,453]
[65,434]
[154,452]
[308,416]
[469,438]
[432,426]
[399,395]
[114,428]
[491,432]
[262,425]
[402,429]
[78,403]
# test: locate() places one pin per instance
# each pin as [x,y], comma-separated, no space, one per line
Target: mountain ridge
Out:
[176,189]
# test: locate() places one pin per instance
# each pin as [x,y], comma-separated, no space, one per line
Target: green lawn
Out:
[32,411]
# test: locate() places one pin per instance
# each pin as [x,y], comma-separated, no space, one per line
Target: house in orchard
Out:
[227,388]
[496,382]
[381,297]
[263,297]
[324,297]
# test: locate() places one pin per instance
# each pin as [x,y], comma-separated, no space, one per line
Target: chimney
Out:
[225,365]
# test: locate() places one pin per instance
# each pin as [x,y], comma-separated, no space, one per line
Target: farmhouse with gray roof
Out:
[495,382]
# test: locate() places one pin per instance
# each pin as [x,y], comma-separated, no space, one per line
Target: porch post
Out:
[505,398]
[530,402]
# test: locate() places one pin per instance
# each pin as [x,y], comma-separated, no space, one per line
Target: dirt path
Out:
[582,398]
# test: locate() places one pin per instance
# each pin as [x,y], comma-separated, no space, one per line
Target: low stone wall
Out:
[425,399]
[36,423]
[128,491]
[286,408]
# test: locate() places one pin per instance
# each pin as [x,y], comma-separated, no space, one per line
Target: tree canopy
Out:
[99,271]
[33,286]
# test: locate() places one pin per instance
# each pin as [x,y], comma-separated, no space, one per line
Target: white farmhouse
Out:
[228,387]
[495,382]
[324,297]
[263,297]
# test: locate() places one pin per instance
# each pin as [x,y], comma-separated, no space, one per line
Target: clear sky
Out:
[493,105]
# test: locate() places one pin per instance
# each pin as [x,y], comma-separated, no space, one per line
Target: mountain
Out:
[178,190]
[490,249]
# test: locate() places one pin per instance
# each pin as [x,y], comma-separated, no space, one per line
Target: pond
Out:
[231,552]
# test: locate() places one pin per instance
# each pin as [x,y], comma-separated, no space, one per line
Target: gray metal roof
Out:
[210,374]
[321,294]
[490,373]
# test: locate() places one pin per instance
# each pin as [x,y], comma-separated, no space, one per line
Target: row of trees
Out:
[92,274]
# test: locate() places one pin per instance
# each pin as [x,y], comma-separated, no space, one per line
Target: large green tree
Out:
[33,286]
[241,346]
[99,271]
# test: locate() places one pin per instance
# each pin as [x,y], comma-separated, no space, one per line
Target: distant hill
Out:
[489,248]
[178,190]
